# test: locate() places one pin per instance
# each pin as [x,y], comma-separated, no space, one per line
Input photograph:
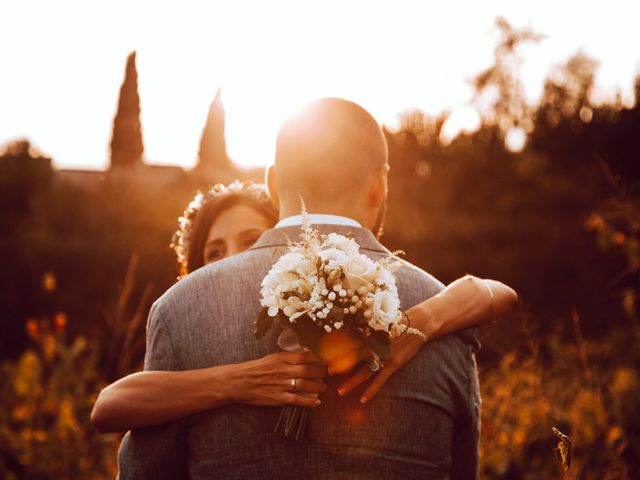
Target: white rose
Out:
[290,262]
[360,271]
[347,245]
[294,308]
[385,309]
[333,258]
[273,286]
[387,278]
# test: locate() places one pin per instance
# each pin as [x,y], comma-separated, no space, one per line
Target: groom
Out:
[423,424]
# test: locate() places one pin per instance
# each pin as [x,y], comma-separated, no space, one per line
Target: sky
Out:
[63,63]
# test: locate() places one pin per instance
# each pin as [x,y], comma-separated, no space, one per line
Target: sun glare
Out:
[269,58]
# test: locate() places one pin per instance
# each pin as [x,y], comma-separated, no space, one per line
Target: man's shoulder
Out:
[216,278]
[415,284]
[415,273]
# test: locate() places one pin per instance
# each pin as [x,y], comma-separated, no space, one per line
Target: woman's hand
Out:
[466,302]
[268,381]
[403,349]
[153,397]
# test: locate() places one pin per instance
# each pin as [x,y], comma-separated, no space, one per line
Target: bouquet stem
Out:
[292,422]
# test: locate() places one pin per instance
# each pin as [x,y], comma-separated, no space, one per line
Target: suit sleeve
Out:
[160,451]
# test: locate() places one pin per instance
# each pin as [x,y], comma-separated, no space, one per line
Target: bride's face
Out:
[233,231]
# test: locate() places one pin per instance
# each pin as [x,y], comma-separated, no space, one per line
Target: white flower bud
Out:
[352,309]
[319,304]
[329,305]
[327,328]
[320,315]
[337,287]
[324,292]
[338,325]
[359,304]
[368,314]
[332,296]
[362,290]
[369,301]
[355,299]
[325,311]
[346,310]
[343,293]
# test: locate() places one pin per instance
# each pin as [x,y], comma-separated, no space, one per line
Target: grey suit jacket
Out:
[423,424]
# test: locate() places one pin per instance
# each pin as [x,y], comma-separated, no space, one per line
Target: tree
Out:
[213,161]
[498,90]
[126,141]
[567,90]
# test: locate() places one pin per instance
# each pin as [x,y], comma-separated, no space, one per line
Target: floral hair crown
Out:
[218,192]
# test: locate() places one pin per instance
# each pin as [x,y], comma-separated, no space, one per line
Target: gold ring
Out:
[294,382]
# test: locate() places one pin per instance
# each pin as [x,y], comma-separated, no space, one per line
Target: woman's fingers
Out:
[309,370]
[307,386]
[362,375]
[300,400]
[377,383]
[301,358]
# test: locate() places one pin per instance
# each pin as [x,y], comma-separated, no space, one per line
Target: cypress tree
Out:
[126,141]
[213,161]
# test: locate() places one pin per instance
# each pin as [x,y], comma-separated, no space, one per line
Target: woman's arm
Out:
[466,302]
[152,397]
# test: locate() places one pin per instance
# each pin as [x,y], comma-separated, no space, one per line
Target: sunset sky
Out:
[63,63]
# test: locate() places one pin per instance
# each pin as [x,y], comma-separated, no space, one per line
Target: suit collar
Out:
[280,237]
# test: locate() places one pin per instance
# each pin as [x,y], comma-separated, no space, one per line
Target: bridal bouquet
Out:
[336,301]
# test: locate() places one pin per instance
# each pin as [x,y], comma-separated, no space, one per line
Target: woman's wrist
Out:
[222,385]
[423,318]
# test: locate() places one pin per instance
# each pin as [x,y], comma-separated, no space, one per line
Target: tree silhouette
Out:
[126,141]
[213,161]
[499,91]
[567,90]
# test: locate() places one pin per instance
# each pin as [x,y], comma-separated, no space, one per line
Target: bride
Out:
[225,221]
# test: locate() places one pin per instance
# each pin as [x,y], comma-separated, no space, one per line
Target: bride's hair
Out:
[195,223]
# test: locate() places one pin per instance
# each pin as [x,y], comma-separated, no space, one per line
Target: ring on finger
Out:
[294,384]
[375,366]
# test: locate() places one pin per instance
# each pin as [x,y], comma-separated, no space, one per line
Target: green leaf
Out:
[379,344]
[263,323]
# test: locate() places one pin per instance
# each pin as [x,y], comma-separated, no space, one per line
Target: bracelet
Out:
[491,298]
[413,330]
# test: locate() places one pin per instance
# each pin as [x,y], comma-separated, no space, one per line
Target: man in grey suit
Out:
[424,423]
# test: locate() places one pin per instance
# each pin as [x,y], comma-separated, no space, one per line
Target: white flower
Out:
[360,271]
[385,309]
[333,258]
[347,245]
[294,262]
[386,278]
[291,273]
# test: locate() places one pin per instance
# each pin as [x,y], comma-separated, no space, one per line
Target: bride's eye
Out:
[250,237]
[213,254]
[250,240]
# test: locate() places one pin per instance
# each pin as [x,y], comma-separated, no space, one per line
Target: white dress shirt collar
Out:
[318,219]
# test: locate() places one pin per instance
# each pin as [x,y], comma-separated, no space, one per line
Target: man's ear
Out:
[271,186]
[377,190]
